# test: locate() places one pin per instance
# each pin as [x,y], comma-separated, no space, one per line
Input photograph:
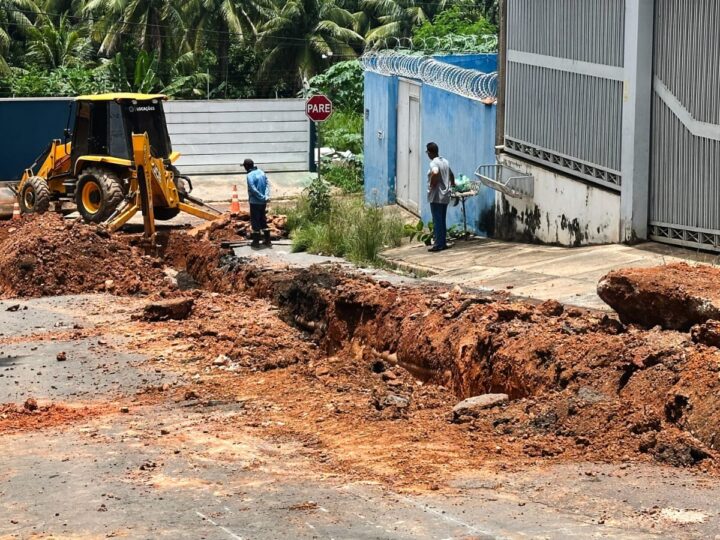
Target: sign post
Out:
[318,109]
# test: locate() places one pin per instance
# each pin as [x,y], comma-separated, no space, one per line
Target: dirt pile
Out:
[577,381]
[45,255]
[31,416]
[237,228]
[674,296]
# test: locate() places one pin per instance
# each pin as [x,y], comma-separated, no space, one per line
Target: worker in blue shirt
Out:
[259,197]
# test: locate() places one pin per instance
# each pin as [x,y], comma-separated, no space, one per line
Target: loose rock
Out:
[475,405]
[175,309]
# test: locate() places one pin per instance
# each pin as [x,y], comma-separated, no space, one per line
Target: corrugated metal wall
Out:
[565,86]
[216,136]
[685,179]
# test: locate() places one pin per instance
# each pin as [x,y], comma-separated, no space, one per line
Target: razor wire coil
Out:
[465,82]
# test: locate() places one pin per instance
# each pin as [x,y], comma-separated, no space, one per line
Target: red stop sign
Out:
[318,108]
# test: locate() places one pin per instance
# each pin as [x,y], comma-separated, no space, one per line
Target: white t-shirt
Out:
[441,192]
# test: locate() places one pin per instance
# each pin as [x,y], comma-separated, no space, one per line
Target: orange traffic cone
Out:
[16,210]
[234,201]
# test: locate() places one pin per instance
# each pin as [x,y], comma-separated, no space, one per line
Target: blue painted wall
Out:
[487,63]
[380,138]
[30,125]
[464,129]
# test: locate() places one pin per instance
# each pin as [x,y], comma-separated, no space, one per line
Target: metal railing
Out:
[465,82]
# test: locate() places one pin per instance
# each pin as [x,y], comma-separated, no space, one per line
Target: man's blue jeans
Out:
[439,215]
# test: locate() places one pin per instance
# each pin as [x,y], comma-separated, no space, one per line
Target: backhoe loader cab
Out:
[120,161]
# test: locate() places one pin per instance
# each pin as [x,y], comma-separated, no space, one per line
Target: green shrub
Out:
[343,131]
[343,84]
[350,229]
[347,176]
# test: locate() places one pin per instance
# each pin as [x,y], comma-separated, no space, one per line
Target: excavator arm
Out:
[153,185]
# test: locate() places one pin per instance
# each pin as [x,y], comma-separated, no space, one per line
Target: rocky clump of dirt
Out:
[707,334]
[163,310]
[44,255]
[578,382]
[31,416]
[237,227]
[674,296]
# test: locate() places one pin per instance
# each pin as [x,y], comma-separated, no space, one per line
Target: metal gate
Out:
[409,150]
[685,168]
[564,86]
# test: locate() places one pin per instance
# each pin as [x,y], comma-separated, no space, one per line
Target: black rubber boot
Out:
[255,236]
[266,238]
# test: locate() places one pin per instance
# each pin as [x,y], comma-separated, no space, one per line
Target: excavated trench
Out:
[569,373]
[578,378]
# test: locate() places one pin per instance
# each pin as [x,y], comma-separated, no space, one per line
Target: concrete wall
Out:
[380,138]
[29,125]
[464,129]
[563,211]
[487,63]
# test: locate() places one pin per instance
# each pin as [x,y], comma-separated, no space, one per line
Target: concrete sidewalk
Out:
[569,275]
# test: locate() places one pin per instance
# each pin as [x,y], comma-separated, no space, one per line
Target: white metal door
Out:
[408,146]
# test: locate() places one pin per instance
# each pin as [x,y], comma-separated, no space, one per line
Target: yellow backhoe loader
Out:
[120,161]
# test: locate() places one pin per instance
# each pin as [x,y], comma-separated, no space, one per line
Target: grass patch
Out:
[349,229]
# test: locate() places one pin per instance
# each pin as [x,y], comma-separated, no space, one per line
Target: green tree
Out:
[52,46]
[455,21]
[15,21]
[386,19]
[343,84]
[302,37]
[156,25]
[218,24]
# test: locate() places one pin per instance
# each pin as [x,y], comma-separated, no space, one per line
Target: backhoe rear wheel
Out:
[98,193]
[34,196]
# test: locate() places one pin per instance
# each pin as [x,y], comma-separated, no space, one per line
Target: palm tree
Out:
[218,22]
[303,36]
[157,25]
[387,19]
[15,20]
[381,20]
[52,46]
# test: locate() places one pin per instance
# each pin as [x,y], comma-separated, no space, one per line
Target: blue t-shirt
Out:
[258,187]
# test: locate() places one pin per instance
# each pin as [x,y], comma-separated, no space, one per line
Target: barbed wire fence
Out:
[452,43]
[403,63]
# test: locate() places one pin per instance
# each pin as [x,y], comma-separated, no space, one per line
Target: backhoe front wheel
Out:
[34,196]
[98,193]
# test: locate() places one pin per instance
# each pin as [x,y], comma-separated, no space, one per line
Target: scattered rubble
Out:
[163,310]
[576,380]
[674,296]
[324,351]
[237,228]
[47,256]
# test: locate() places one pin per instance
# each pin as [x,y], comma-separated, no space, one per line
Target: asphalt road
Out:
[158,472]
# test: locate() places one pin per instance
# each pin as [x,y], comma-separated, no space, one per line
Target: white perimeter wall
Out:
[214,137]
[563,211]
